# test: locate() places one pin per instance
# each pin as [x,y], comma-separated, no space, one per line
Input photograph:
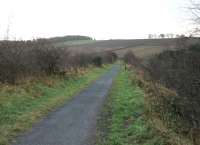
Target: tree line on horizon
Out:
[168,35]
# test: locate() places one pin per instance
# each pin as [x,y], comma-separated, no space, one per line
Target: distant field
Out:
[71,43]
[142,48]
[144,51]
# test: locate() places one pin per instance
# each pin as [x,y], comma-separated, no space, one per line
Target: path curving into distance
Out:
[75,122]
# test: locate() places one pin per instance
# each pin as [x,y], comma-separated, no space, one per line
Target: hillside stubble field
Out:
[142,48]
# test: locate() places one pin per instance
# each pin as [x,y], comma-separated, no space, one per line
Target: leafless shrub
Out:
[48,59]
[109,57]
[19,59]
[82,59]
[180,71]
[130,58]
[23,58]
[104,57]
[97,61]
[11,61]
[182,42]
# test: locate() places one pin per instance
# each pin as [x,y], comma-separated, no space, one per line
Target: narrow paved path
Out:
[75,122]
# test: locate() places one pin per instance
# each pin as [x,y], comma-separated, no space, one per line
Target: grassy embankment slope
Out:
[25,104]
[123,120]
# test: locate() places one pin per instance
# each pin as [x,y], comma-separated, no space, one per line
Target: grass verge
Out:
[123,120]
[25,104]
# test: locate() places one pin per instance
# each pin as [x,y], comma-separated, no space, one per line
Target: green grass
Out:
[123,120]
[23,105]
[74,42]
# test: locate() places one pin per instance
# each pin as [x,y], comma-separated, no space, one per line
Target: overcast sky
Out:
[102,19]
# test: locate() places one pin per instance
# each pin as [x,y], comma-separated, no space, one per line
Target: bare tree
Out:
[150,36]
[195,10]
[162,35]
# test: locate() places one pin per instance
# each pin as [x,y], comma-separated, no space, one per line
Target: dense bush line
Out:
[20,59]
[180,71]
[176,100]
